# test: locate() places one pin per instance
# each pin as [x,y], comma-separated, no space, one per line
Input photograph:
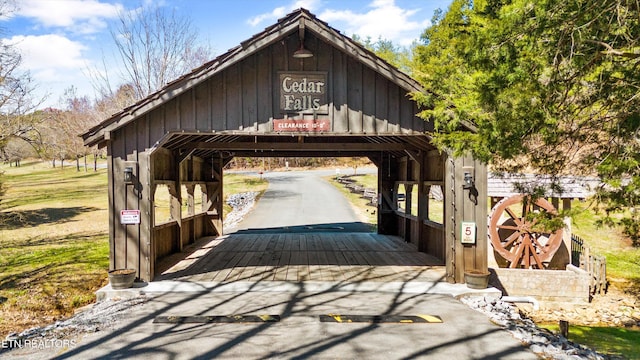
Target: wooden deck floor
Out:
[350,257]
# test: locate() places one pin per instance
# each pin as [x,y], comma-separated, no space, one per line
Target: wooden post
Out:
[564,328]
[449,193]
[387,175]
[147,259]
[112,207]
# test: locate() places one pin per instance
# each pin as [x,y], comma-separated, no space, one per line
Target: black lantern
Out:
[128,175]
[468,182]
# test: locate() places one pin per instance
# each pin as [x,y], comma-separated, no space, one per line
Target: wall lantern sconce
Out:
[468,182]
[302,53]
[128,175]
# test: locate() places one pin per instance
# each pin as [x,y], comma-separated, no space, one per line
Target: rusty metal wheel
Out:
[514,236]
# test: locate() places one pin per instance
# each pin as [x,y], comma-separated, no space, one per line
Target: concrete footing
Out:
[163,287]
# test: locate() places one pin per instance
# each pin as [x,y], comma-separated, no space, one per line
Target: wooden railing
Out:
[596,266]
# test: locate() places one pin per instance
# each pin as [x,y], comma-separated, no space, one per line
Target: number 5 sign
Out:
[468,233]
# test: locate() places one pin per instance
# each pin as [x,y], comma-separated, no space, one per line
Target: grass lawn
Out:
[620,342]
[623,260]
[53,243]
[54,240]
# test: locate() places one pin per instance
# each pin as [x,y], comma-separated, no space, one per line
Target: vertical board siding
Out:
[369,101]
[394,107]
[130,134]
[325,63]
[354,96]
[218,102]
[406,119]
[171,116]
[166,240]
[156,125]
[233,94]
[415,232]
[339,93]
[187,110]
[278,63]
[143,133]
[382,109]
[202,105]
[249,94]
[244,97]
[264,86]
[419,124]
[311,64]
[436,243]
[435,166]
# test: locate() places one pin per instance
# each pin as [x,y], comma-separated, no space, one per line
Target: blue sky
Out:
[61,41]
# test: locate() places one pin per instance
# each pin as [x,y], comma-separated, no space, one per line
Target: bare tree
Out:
[16,150]
[111,101]
[60,136]
[156,47]
[16,94]
[77,117]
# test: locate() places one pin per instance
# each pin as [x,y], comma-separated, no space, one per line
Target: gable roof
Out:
[284,27]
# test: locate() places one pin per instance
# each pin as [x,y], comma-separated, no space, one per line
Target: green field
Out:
[54,241]
[615,342]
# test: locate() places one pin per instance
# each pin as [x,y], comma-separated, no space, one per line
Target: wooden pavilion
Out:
[297,89]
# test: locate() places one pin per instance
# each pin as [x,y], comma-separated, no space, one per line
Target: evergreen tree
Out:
[547,86]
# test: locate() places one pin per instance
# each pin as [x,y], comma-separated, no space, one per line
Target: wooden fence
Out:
[596,266]
[354,187]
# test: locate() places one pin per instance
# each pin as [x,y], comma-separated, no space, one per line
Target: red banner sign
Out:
[290,125]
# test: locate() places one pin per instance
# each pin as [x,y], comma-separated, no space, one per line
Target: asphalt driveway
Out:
[299,333]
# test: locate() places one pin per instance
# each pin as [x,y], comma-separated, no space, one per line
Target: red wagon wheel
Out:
[514,236]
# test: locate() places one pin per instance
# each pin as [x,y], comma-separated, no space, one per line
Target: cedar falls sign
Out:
[302,92]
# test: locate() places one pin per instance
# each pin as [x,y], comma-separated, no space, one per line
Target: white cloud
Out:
[49,51]
[385,20]
[54,62]
[281,11]
[80,16]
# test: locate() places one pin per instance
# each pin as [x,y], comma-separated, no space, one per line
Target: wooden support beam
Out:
[184,156]
[414,155]
[276,146]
